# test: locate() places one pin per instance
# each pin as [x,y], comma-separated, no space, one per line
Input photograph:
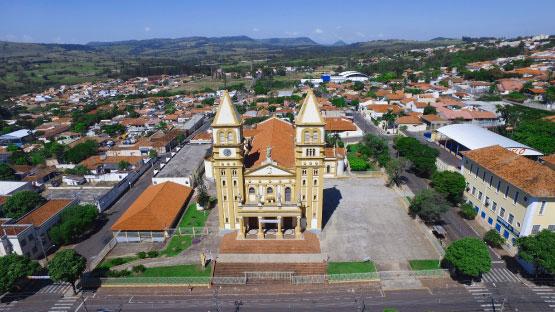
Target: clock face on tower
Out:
[227,152]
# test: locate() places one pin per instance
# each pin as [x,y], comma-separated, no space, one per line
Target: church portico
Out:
[268,226]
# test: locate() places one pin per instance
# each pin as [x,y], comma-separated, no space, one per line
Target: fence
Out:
[268,275]
[96,261]
[431,273]
[199,280]
[283,276]
[353,277]
[125,184]
[190,231]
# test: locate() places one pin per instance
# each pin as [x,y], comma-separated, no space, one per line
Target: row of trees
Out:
[66,266]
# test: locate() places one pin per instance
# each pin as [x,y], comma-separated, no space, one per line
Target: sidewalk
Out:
[271,258]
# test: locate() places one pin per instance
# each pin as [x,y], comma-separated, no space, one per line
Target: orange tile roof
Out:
[332,152]
[276,133]
[203,136]
[155,209]
[528,175]
[432,118]
[383,108]
[408,120]
[94,161]
[339,124]
[44,212]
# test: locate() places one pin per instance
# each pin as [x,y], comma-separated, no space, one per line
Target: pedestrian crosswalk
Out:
[497,275]
[546,294]
[64,304]
[56,288]
[483,297]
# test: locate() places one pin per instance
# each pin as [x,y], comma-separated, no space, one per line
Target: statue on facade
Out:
[269,153]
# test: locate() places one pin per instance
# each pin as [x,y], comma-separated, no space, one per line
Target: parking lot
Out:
[364,218]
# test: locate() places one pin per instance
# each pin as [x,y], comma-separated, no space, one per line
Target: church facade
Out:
[269,179]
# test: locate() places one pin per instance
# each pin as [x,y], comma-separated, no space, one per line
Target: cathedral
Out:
[269,179]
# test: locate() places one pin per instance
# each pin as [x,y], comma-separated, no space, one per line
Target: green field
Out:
[350,267]
[110,263]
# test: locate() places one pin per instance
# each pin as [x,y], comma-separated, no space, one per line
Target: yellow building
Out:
[269,179]
[511,193]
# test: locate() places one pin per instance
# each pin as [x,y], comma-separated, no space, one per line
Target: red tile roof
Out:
[44,212]
[278,134]
[155,209]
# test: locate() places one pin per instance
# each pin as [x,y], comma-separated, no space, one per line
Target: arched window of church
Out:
[304,182]
[223,183]
[306,137]
[315,136]
[251,191]
[222,137]
[315,182]
[230,137]
[328,169]
[269,190]
[287,194]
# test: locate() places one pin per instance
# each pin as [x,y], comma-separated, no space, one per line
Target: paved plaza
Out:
[364,218]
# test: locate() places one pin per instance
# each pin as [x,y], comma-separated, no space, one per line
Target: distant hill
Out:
[441,39]
[339,43]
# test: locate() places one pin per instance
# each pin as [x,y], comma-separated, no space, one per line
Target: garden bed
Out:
[423,265]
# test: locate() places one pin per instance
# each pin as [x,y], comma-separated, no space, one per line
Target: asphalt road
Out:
[338,297]
[92,245]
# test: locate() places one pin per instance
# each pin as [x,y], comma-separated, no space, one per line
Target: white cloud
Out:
[147,28]
[255,29]
[11,37]
[380,35]
[359,34]
[291,33]
[318,31]
[27,38]
[58,39]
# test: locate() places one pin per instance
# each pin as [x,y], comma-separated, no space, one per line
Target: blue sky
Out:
[323,21]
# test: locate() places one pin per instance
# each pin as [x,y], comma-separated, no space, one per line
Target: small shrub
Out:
[153,254]
[118,261]
[195,241]
[341,144]
[141,255]
[468,212]
[359,154]
[358,164]
[494,239]
[138,268]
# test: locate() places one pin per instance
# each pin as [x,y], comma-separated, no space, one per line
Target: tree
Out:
[81,151]
[469,256]
[430,110]
[494,239]
[74,220]
[467,211]
[80,127]
[422,156]
[357,86]
[162,126]
[7,173]
[67,266]
[539,249]
[395,166]
[537,133]
[152,153]
[21,203]
[375,146]
[180,137]
[13,268]
[451,184]
[429,204]
[123,165]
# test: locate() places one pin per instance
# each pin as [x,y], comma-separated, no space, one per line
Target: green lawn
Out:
[350,267]
[419,265]
[187,270]
[193,218]
[110,263]
[177,245]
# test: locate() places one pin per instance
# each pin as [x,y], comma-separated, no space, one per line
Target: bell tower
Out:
[228,155]
[309,159]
